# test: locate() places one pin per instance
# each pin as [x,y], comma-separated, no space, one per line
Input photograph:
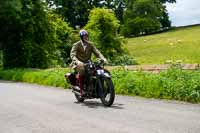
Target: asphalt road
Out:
[26,108]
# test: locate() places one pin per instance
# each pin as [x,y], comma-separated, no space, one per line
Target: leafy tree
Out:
[164,19]
[169,1]
[145,17]
[10,27]
[103,26]
[65,37]
[29,37]
[141,17]
[76,12]
[116,5]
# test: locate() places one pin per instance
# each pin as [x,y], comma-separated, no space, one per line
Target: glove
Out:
[105,61]
[80,64]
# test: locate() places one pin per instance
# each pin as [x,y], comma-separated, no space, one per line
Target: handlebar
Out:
[98,63]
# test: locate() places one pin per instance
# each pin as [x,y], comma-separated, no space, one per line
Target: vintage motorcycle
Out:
[97,83]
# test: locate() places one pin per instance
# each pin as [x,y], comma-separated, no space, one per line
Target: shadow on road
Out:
[96,104]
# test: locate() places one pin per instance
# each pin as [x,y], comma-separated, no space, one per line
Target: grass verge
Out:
[51,77]
[173,84]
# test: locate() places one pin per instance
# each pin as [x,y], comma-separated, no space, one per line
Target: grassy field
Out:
[177,44]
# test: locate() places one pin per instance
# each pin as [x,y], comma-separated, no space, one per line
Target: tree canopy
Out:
[76,12]
[103,26]
[145,17]
[30,34]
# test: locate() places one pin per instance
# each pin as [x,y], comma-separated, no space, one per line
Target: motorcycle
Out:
[97,83]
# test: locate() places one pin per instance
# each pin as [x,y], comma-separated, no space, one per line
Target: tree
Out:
[29,35]
[164,19]
[76,12]
[10,30]
[103,27]
[142,17]
[65,37]
[169,1]
[151,14]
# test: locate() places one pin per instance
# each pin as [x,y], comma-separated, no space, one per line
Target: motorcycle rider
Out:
[81,52]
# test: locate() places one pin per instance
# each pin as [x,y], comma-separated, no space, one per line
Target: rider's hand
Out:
[80,64]
[105,61]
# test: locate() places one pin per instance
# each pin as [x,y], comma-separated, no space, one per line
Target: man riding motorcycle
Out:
[81,52]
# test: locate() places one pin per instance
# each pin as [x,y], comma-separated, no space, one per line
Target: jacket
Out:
[79,54]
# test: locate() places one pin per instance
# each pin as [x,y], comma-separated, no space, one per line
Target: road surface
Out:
[26,108]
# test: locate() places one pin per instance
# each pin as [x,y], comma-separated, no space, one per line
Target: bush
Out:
[103,29]
[31,34]
[122,60]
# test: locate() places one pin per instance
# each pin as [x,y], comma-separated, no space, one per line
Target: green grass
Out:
[50,77]
[178,44]
[174,83]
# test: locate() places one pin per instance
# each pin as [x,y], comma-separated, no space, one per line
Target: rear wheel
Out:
[108,92]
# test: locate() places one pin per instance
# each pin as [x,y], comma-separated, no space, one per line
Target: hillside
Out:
[177,44]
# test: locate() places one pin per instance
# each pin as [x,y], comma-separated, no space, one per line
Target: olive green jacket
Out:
[79,54]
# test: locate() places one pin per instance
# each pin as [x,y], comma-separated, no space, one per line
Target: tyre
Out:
[108,93]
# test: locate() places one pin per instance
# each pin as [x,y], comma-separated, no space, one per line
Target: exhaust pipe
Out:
[76,90]
[77,93]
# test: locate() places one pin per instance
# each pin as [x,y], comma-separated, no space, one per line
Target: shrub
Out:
[122,60]
[103,28]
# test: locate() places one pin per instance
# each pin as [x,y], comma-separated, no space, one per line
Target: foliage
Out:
[174,83]
[30,36]
[9,16]
[76,12]
[65,37]
[103,26]
[1,59]
[140,26]
[169,1]
[178,44]
[52,77]
[164,19]
[122,60]
[142,17]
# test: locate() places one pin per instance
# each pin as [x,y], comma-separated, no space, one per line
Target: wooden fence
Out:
[153,68]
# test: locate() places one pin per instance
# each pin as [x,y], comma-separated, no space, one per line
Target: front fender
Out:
[103,73]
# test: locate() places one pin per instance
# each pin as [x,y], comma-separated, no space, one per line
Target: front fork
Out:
[100,86]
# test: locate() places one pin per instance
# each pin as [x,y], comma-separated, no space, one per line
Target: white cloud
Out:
[184,12]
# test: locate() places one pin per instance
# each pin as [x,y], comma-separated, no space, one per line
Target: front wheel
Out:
[108,93]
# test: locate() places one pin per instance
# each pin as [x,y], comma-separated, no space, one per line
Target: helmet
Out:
[83,33]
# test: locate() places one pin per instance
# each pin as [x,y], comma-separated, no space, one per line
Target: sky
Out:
[184,12]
